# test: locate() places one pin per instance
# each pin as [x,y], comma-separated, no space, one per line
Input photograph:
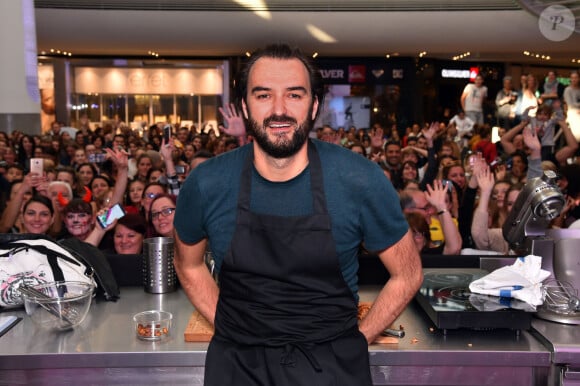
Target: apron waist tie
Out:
[288,358]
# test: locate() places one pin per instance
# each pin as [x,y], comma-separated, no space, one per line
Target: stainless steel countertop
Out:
[563,339]
[106,339]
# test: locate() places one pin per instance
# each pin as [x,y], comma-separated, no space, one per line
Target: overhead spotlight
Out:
[315,55]
[536,55]
[248,54]
[387,56]
[461,56]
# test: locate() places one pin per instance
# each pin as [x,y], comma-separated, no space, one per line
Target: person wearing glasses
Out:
[433,205]
[151,191]
[161,215]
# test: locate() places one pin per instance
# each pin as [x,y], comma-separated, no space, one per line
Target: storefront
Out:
[449,78]
[138,93]
[364,91]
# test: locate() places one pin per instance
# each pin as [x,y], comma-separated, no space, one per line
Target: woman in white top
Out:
[572,99]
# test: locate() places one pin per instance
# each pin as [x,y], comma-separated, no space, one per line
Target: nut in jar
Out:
[152,325]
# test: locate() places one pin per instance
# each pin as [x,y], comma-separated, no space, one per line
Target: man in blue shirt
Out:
[285,217]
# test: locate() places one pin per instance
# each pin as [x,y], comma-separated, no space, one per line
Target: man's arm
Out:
[404,265]
[571,145]
[462,99]
[194,276]
[508,137]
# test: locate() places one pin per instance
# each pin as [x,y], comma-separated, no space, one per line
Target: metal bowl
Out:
[58,305]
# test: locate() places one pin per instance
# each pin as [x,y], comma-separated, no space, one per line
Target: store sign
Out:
[332,73]
[357,73]
[473,72]
[148,81]
[460,74]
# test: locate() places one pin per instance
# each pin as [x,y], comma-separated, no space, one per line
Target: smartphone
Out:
[166,134]
[113,213]
[37,166]
[179,169]
[98,158]
[448,184]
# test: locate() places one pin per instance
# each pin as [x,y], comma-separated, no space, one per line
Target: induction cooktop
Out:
[447,301]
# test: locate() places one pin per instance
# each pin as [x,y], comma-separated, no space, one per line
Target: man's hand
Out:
[235,122]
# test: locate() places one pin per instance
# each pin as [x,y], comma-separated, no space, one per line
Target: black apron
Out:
[285,315]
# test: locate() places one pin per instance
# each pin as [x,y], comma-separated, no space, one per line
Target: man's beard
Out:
[282,147]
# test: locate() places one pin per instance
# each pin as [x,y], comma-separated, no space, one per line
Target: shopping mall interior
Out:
[176,60]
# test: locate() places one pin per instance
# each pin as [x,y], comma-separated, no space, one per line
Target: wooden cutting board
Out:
[200,330]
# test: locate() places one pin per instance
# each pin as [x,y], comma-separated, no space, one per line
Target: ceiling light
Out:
[320,35]
[248,54]
[462,56]
[259,7]
[315,55]
[55,51]
[536,55]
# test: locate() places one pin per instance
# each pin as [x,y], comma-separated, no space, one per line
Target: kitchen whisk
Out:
[561,297]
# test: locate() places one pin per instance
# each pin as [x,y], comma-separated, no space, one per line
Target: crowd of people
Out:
[456,185]
[84,176]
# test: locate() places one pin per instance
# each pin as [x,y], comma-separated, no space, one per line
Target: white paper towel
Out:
[521,280]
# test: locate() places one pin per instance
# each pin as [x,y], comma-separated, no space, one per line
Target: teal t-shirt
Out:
[361,201]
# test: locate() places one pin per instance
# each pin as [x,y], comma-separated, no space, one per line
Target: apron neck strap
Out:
[316,180]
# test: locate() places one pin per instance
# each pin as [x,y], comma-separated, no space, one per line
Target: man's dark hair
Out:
[203,154]
[391,142]
[280,51]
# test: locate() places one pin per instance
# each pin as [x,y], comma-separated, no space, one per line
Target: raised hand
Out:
[436,194]
[430,132]
[485,180]
[166,149]
[532,141]
[120,157]
[235,122]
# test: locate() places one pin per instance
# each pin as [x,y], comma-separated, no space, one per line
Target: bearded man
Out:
[285,216]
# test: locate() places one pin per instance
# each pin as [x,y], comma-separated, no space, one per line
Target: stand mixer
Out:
[525,229]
